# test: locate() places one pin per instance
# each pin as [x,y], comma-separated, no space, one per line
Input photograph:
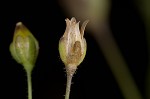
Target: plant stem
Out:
[70,69]
[147,87]
[117,63]
[29,81]
[68,86]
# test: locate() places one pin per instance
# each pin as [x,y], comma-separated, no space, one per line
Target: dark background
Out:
[94,79]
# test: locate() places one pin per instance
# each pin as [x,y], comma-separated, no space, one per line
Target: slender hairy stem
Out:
[29,81]
[68,86]
[70,69]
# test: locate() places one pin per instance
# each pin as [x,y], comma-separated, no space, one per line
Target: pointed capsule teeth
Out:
[83,27]
[73,19]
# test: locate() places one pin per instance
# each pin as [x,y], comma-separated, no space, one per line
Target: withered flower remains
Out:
[72,45]
[72,49]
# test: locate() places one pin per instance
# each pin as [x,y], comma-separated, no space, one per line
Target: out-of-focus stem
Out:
[117,64]
[143,7]
[147,87]
[146,16]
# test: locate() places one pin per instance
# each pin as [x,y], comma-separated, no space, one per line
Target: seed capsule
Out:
[24,48]
[72,45]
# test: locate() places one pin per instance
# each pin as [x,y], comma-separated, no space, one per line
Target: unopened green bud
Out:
[24,48]
[72,45]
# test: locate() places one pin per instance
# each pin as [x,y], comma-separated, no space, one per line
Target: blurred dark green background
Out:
[94,79]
